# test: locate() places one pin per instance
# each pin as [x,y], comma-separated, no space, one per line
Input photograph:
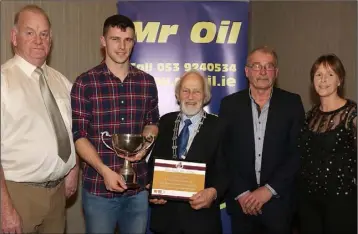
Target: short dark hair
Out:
[119,21]
[332,61]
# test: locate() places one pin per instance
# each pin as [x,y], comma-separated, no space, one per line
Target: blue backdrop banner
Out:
[177,36]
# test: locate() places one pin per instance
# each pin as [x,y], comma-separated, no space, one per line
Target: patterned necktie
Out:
[183,139]
[63,141]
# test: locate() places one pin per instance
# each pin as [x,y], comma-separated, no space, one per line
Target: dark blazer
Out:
[280,156]
[178,216]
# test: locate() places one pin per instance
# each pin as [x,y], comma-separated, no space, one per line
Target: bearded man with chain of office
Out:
[201,214]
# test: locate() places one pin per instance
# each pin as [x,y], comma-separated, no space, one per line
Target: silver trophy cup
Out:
[127,145]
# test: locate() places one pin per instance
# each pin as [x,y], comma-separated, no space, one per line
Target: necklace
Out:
[176,130]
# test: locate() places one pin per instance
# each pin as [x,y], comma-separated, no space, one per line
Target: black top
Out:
[328,146]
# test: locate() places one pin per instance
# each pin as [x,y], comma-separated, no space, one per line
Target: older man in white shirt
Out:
[38,160]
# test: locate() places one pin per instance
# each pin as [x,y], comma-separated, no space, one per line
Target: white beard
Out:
[191,110]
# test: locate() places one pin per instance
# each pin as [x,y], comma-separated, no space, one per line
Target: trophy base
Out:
[132,186]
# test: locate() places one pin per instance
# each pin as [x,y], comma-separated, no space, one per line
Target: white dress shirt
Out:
[28,142]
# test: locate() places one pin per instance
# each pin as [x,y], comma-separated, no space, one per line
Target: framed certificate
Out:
[177,180]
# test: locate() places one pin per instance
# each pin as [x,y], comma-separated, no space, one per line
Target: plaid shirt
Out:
[102,102]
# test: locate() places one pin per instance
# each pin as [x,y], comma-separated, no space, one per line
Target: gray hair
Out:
[34,9]
[207,92]
[265,50]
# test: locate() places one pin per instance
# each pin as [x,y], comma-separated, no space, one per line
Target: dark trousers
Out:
[276,218]
[186,232]
[168,233]
[328,215]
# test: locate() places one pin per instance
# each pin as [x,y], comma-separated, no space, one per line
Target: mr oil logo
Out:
[201,32]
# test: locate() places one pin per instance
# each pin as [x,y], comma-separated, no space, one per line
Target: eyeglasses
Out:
[258,66]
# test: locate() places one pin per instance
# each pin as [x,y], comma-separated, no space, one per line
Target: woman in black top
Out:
[327,181]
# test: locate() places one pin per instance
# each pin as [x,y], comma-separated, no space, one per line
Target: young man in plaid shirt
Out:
[118,98]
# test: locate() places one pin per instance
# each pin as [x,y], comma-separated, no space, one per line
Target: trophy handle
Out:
[107,135]
[150,138]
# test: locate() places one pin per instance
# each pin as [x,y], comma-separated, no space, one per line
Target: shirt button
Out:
[259,138]
[122,118]
[259,155]
[122,102]
[259,122]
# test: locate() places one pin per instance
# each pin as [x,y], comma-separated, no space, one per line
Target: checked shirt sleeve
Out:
[81,108]
[152,116]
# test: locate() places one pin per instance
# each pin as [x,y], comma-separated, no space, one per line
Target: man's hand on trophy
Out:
[203,199]
[142,153]
[158,201]
[114,182]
